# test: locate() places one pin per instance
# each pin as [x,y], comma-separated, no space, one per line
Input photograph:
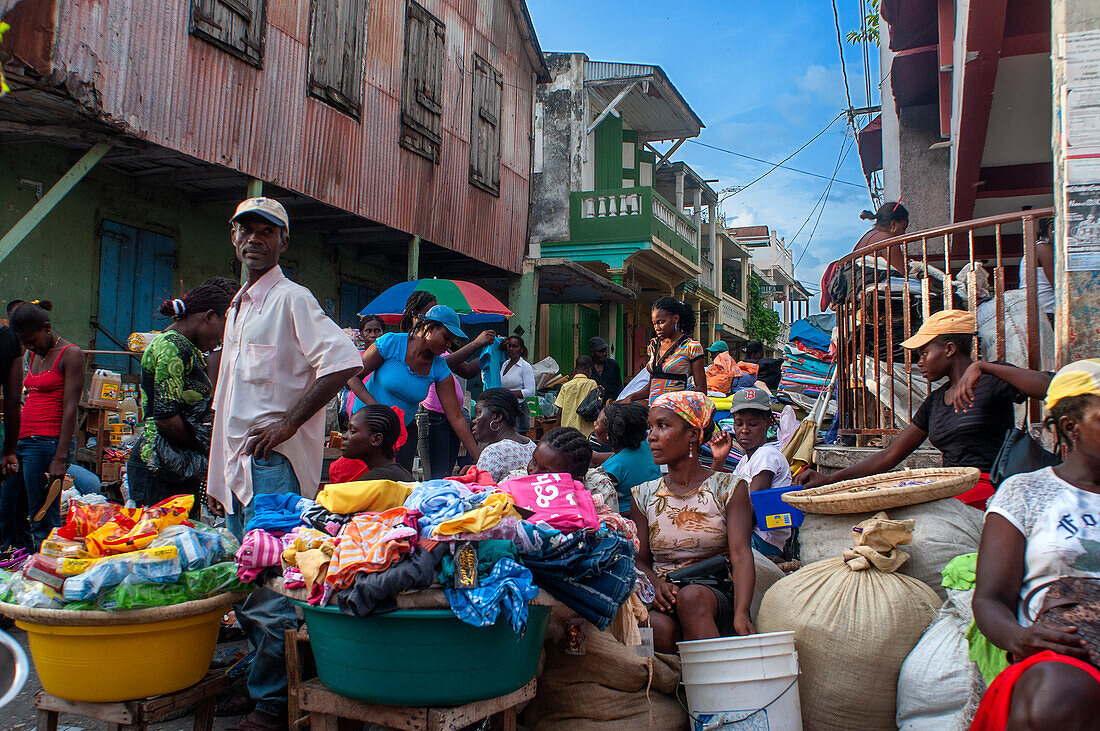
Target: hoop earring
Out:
[495,425]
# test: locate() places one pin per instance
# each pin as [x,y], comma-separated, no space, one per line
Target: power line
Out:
[843,70]
[779,164]
[823,199]
[821,211]
[768,162]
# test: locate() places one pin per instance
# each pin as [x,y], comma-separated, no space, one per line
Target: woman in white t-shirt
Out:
[1039,527]
[517,376]
[763,466]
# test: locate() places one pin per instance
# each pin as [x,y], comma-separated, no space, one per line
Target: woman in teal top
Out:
[624,428]
[403,366]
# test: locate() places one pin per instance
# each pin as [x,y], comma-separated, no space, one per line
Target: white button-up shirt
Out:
[278,342]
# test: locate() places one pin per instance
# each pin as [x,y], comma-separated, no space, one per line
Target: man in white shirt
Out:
[282,360]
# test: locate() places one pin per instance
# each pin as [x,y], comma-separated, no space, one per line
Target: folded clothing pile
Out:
[807,359]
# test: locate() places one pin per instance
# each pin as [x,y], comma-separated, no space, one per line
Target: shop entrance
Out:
[135,274]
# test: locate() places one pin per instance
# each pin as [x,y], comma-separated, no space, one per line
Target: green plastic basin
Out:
[422,657]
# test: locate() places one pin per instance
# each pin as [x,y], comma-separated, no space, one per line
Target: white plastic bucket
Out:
[743,682]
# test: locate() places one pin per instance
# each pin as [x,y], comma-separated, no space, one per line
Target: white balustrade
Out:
[616,204]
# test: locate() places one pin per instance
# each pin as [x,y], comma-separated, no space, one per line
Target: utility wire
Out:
[822,201]
[821,210]
[779,164]
[769,162]
[843,70]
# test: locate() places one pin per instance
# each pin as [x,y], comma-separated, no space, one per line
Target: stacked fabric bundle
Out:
[807,360]
[490,546]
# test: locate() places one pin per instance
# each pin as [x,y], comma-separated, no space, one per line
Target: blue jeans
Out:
[23,493]
[264,615]
[438,444]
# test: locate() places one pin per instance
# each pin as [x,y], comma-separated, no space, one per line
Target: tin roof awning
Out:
[651,104]
[564,281]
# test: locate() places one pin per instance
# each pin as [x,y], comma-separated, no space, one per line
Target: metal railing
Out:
[879,386]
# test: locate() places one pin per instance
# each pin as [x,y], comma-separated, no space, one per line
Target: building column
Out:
[787,304]
[412,271]
[616,333]
[1076,335]
[679,190]
[523,302]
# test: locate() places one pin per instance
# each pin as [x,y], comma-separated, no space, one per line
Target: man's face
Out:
[599,356]
[258,242]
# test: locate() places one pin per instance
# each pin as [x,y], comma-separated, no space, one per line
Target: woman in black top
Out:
[966,418]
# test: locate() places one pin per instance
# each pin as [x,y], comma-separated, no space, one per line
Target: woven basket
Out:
[81,618]
[880,492]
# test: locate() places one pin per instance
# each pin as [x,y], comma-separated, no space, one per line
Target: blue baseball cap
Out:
[446,317]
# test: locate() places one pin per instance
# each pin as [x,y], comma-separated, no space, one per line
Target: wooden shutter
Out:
[236,26]
[337,39]
[422,85]
[487,98]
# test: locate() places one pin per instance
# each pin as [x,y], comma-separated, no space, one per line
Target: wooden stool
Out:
[137,715]
[327,708]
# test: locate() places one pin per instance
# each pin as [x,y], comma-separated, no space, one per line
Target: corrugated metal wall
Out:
[185,94]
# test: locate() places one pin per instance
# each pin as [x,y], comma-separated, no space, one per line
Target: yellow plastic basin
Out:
[109,663]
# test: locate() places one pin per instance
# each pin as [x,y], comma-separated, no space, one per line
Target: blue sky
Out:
[764,77]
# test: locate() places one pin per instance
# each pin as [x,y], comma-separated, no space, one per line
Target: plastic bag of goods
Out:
[940,687]
[199,545]
[855,619]
[147,566]
[138,342]
[944,529]
[129,532]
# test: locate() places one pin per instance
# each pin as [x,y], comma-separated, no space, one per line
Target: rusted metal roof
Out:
[749,232]
[135,65]
[657,111]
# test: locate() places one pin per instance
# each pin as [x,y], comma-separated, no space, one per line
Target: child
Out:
[763,466]
[374,434]
[566,450]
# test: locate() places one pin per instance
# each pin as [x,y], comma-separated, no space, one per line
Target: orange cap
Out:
[947,322]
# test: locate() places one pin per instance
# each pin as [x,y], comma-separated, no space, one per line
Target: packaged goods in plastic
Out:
[199,545]
[855,619]
[148,566]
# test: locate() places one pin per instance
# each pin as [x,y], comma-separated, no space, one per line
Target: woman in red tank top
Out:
[52,388]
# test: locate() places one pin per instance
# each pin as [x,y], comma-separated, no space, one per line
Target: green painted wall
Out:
[609,153]
[59,260]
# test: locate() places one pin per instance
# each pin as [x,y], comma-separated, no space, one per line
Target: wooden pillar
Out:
[413,270]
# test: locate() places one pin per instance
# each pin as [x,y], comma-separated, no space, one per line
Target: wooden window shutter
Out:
[487,97]
[337,39]
[235,26]
[422,83]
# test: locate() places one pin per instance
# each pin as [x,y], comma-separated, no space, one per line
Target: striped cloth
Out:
[371,542]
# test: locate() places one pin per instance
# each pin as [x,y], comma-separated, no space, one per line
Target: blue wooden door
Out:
[353,298]
[135,275]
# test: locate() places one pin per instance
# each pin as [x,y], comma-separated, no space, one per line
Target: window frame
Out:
[325,90]
[421,132]
[485,76]
[202,24]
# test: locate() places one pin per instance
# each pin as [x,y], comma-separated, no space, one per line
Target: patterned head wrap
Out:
[1076,379]
[691,406]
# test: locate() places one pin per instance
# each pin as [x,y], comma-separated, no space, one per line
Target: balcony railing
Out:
[631,214]
[961,266]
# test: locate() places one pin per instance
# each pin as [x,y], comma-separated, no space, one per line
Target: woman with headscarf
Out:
[690,515]
[1043,526]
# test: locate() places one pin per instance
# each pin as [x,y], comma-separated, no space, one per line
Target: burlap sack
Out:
[942,530]
[605,686]
[854,624]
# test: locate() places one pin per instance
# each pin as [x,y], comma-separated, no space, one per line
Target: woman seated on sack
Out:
[1040,527]
[503,449]
[566,450]
[370,445]
[686,517]
[966,418]
[402,366]
[623,428]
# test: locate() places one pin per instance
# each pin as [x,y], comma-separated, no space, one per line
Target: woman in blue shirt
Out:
[403,366]
[624,428]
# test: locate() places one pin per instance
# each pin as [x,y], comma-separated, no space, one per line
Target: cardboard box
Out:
[111,472]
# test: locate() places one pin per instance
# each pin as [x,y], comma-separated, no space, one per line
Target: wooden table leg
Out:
[204,714]
[503,721]
[47,720]
[293,676]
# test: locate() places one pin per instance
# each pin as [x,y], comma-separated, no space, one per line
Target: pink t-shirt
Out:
[431,402]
